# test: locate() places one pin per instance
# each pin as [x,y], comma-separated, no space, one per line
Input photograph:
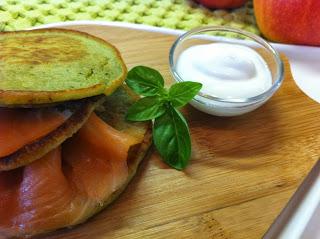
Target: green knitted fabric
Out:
[175,14]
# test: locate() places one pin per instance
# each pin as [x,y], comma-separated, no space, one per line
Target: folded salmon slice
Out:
[65,186]
[20,127]
[97,156]
[45,195]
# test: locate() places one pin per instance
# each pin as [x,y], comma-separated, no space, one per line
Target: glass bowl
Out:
[228,106]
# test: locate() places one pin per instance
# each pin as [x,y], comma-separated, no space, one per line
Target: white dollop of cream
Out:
[225,70]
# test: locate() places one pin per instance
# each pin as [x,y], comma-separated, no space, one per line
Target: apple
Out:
[222,3]
[288,21]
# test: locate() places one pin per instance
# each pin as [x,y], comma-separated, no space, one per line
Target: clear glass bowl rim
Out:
[279,70]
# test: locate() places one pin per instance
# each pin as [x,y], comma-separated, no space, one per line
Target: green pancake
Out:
[53,65]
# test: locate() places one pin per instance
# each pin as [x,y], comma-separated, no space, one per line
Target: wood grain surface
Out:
[243,170]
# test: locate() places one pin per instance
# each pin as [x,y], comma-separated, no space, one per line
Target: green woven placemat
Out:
[175,14]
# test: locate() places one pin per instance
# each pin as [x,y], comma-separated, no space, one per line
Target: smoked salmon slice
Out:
[18,127]
[65,186]
[97,157]
[45,195]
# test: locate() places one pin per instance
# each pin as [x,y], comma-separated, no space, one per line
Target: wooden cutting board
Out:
[243,170]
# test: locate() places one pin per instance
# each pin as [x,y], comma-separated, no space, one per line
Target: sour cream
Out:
[225,70]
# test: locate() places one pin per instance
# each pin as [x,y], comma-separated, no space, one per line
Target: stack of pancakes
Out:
[66,150]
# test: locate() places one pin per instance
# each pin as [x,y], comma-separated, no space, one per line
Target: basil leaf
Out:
[181,93]
[172,138]
[147,108]
[145,81]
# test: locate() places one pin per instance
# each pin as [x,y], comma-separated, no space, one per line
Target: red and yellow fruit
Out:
[295,21]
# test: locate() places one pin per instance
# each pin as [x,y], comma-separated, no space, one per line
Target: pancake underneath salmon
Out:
[78,178]
[27,134]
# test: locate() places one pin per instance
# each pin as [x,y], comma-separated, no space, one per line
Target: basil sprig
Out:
[171,134]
